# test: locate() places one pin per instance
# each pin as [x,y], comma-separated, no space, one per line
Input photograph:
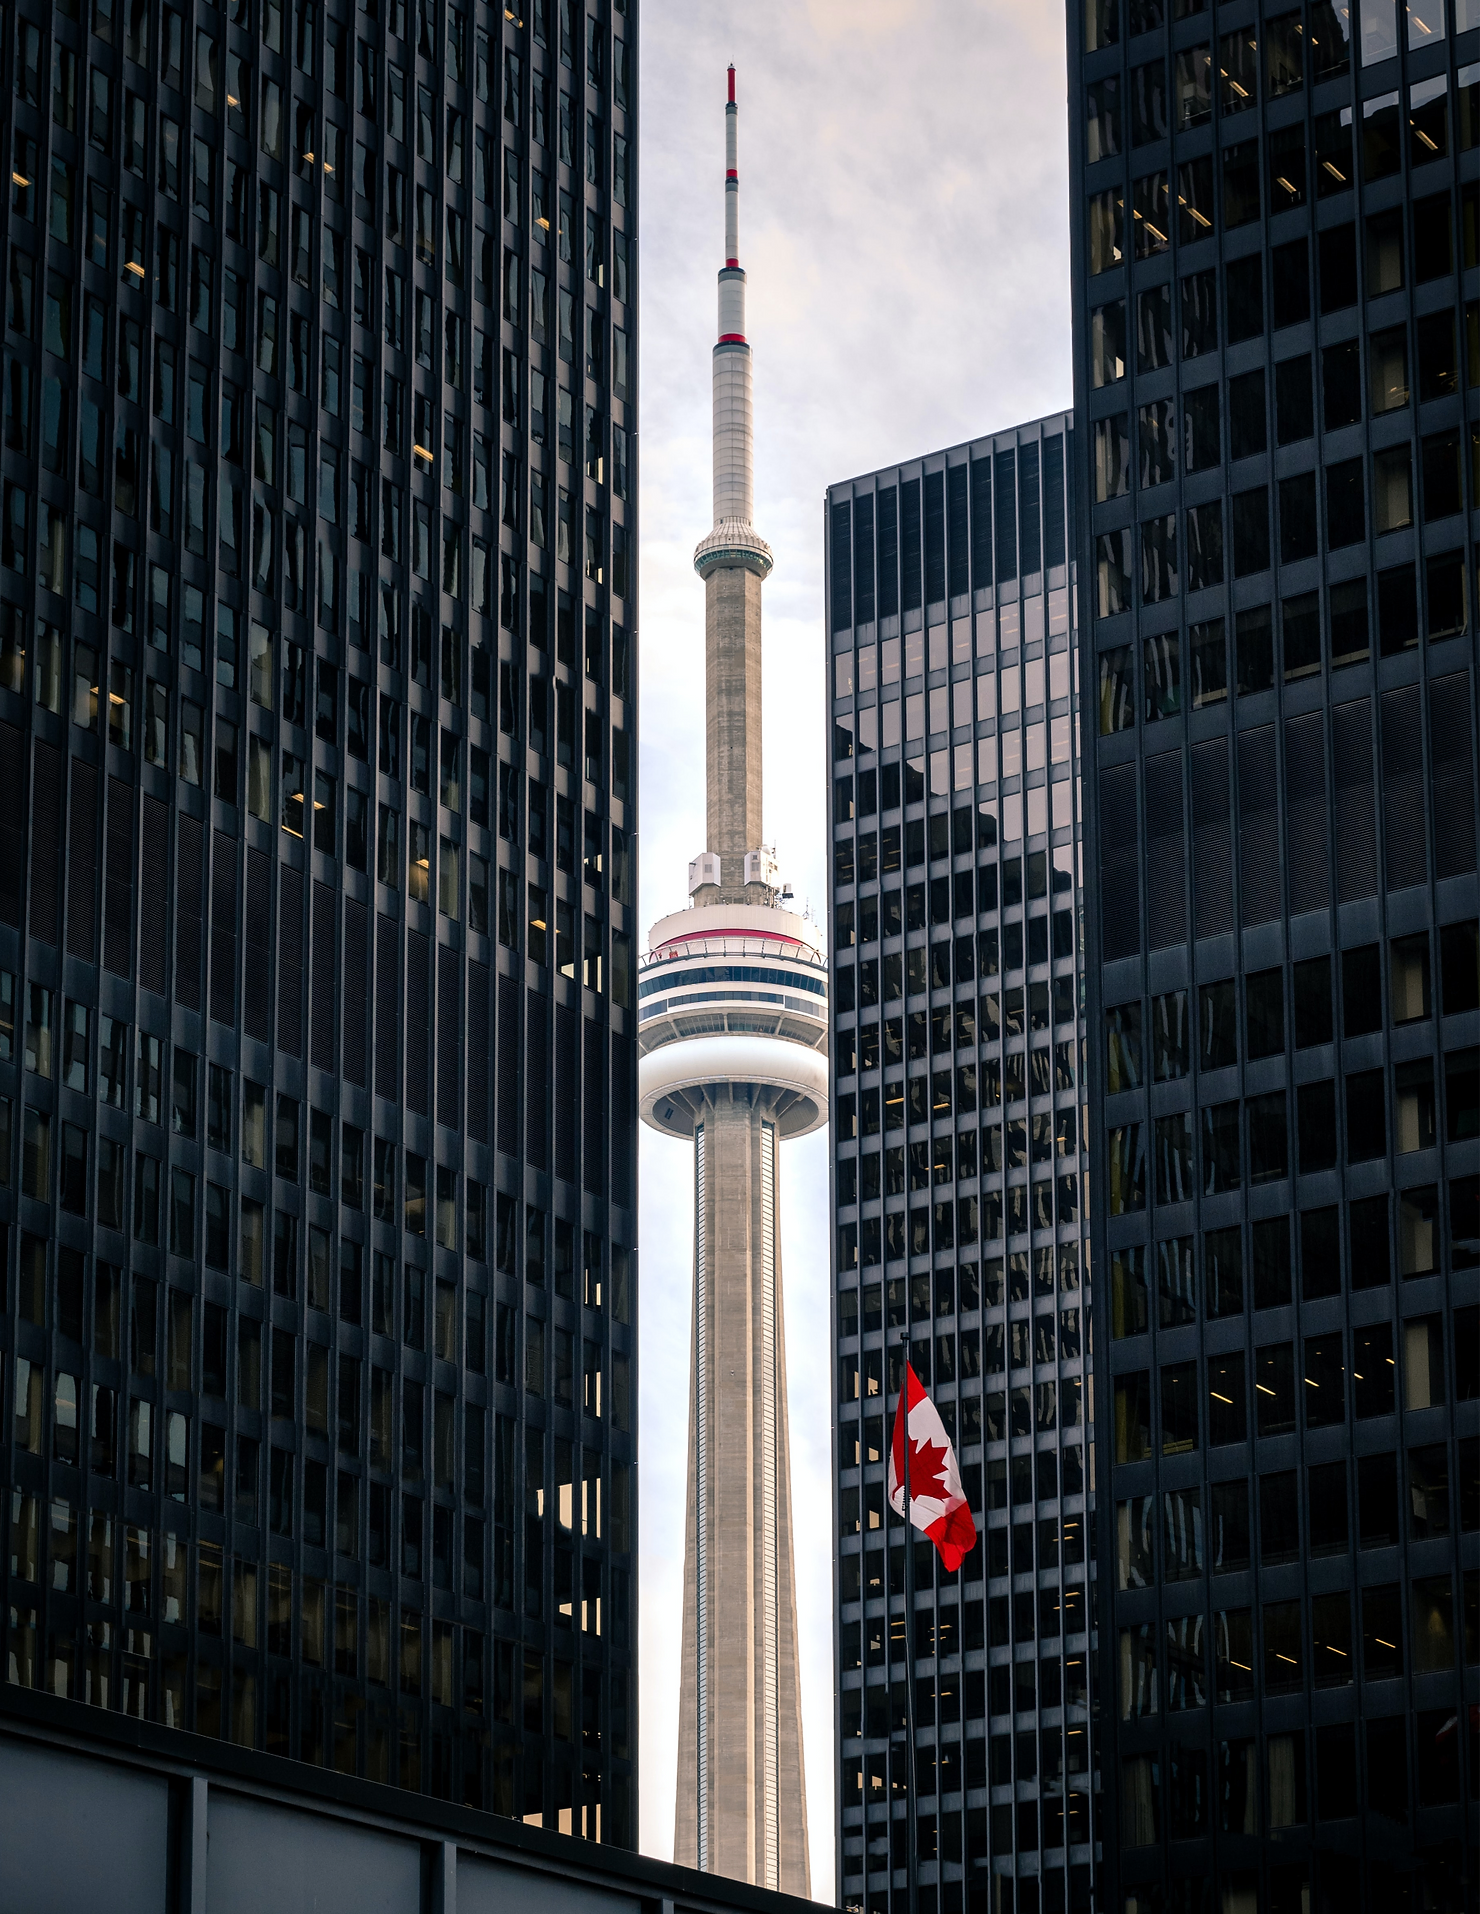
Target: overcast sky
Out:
[904,226]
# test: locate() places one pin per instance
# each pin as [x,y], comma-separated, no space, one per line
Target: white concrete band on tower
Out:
[732,1044]
[733,429]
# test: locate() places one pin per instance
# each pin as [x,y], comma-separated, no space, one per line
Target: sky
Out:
[904,229]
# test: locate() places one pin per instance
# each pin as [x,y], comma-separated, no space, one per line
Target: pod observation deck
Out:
[732,997]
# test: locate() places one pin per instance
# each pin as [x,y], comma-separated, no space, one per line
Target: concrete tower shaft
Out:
[732,723]
[732,1018]
[742,1803]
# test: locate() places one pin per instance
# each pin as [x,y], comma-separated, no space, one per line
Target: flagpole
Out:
[911,1831]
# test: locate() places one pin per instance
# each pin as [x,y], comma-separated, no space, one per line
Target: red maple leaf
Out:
[928,1471]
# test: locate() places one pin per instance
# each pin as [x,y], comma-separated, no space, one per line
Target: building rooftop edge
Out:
[1064,413]
[96,1739]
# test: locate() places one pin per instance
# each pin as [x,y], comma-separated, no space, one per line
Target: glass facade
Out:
[958,1173]
[317,1128]
[1274,256]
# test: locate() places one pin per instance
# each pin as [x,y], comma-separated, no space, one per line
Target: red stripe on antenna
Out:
[732,86]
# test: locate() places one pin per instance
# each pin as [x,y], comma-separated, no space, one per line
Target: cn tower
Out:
[732,1036]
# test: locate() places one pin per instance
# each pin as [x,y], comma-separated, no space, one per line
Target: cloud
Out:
[904,227]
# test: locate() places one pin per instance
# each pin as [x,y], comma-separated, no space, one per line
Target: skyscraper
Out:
[958,1174]
[317,1099]
[733,1022]
[1269,269]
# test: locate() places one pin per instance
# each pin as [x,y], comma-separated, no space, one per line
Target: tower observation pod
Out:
[732,1041]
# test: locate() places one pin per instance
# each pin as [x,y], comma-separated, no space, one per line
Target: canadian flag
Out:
[937,1503]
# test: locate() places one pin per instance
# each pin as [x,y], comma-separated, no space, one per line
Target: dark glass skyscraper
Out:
[316,870]
[1274,251]
[958,1174]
